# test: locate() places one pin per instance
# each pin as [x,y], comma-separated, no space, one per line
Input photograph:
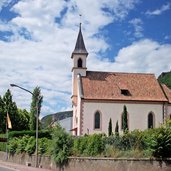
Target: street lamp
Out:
[37,118]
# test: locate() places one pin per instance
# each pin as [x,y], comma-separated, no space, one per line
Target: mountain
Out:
[49,119]
[165,77]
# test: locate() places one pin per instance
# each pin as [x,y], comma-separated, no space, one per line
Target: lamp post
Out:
[37,118]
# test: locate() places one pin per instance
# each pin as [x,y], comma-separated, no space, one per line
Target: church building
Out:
[99,96]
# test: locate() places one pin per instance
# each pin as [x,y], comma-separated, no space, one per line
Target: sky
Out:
[37,38]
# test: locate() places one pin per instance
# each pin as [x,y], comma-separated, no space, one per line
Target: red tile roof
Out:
[108,86]
[167,92]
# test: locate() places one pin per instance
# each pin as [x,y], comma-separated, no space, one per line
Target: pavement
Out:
[18,167]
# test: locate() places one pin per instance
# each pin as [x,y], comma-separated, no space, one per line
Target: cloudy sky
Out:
[37,38]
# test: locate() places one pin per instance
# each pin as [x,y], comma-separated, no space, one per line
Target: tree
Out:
[110,127]
[37,100]
[165,78]
[24,119]
[11,108]
[117,129]
[2,116]
[125,119]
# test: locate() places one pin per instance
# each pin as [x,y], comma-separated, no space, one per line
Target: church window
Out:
[97,120]
[125,92]
[80,63]
[150,120]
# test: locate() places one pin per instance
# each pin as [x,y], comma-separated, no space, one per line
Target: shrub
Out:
[80,146]
[161,143]
[61,145]
[91,145]
[95,145]
[12,146]
[44,144]
[42,134]
[31,146]
[2,146]
[22,143]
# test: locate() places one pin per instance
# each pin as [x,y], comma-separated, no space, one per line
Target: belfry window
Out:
[97,120]
[80,63]
[150,120]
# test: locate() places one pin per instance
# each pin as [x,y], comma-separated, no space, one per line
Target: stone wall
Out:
[95,164]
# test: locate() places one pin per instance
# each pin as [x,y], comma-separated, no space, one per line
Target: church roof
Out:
[121,86]
[167,92]
[80,46]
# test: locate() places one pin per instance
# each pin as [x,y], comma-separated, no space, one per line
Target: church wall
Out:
[169,110]
[138,114]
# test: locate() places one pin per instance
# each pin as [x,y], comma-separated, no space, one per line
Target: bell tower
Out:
[79,56]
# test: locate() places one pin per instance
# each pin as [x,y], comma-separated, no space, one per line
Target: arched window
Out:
[150,120]
[97,120]
[80,63]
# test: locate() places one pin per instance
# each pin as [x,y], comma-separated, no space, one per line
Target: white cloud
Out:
[163,8]
[142,56]
[45,59]
[138,29]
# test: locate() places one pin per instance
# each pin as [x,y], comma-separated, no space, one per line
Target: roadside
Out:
[19,167]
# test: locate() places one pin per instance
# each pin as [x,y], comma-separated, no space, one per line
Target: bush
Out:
[22,143]
[31,146]
[91,145]
[42,134]
[2,146]
[61,145]
[12,146]
[44,145]
[161,143]
[79,146]
[95,145]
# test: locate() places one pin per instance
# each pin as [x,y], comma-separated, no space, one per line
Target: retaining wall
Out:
[95,164]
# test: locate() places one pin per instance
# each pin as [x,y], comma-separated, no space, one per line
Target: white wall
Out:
[169,110]
[138,113]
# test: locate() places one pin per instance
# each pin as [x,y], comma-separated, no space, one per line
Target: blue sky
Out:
[37,38]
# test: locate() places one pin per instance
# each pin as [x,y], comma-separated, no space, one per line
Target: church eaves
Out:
[80,46]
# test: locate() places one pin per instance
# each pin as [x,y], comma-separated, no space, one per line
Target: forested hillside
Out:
[165,77]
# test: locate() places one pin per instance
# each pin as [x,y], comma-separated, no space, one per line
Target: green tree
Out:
[2,116]
[11,108]
[24,118]
[110,127]
[125,119]
[117,129]
[165,78]
[37,100]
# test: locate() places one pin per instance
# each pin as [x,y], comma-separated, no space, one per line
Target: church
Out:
[99,96]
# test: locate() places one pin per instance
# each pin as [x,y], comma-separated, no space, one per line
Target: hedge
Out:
[41,134]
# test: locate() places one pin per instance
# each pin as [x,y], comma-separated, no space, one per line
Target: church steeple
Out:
[80,46]
[79,69]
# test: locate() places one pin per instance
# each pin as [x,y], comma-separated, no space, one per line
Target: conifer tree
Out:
[125,119]
[36,103]
[117,129]
[11,108]
[2,117]
[110,127]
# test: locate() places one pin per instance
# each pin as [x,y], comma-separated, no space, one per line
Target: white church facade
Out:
[99,96]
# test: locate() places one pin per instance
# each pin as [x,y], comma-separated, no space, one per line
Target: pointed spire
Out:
[80,46]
